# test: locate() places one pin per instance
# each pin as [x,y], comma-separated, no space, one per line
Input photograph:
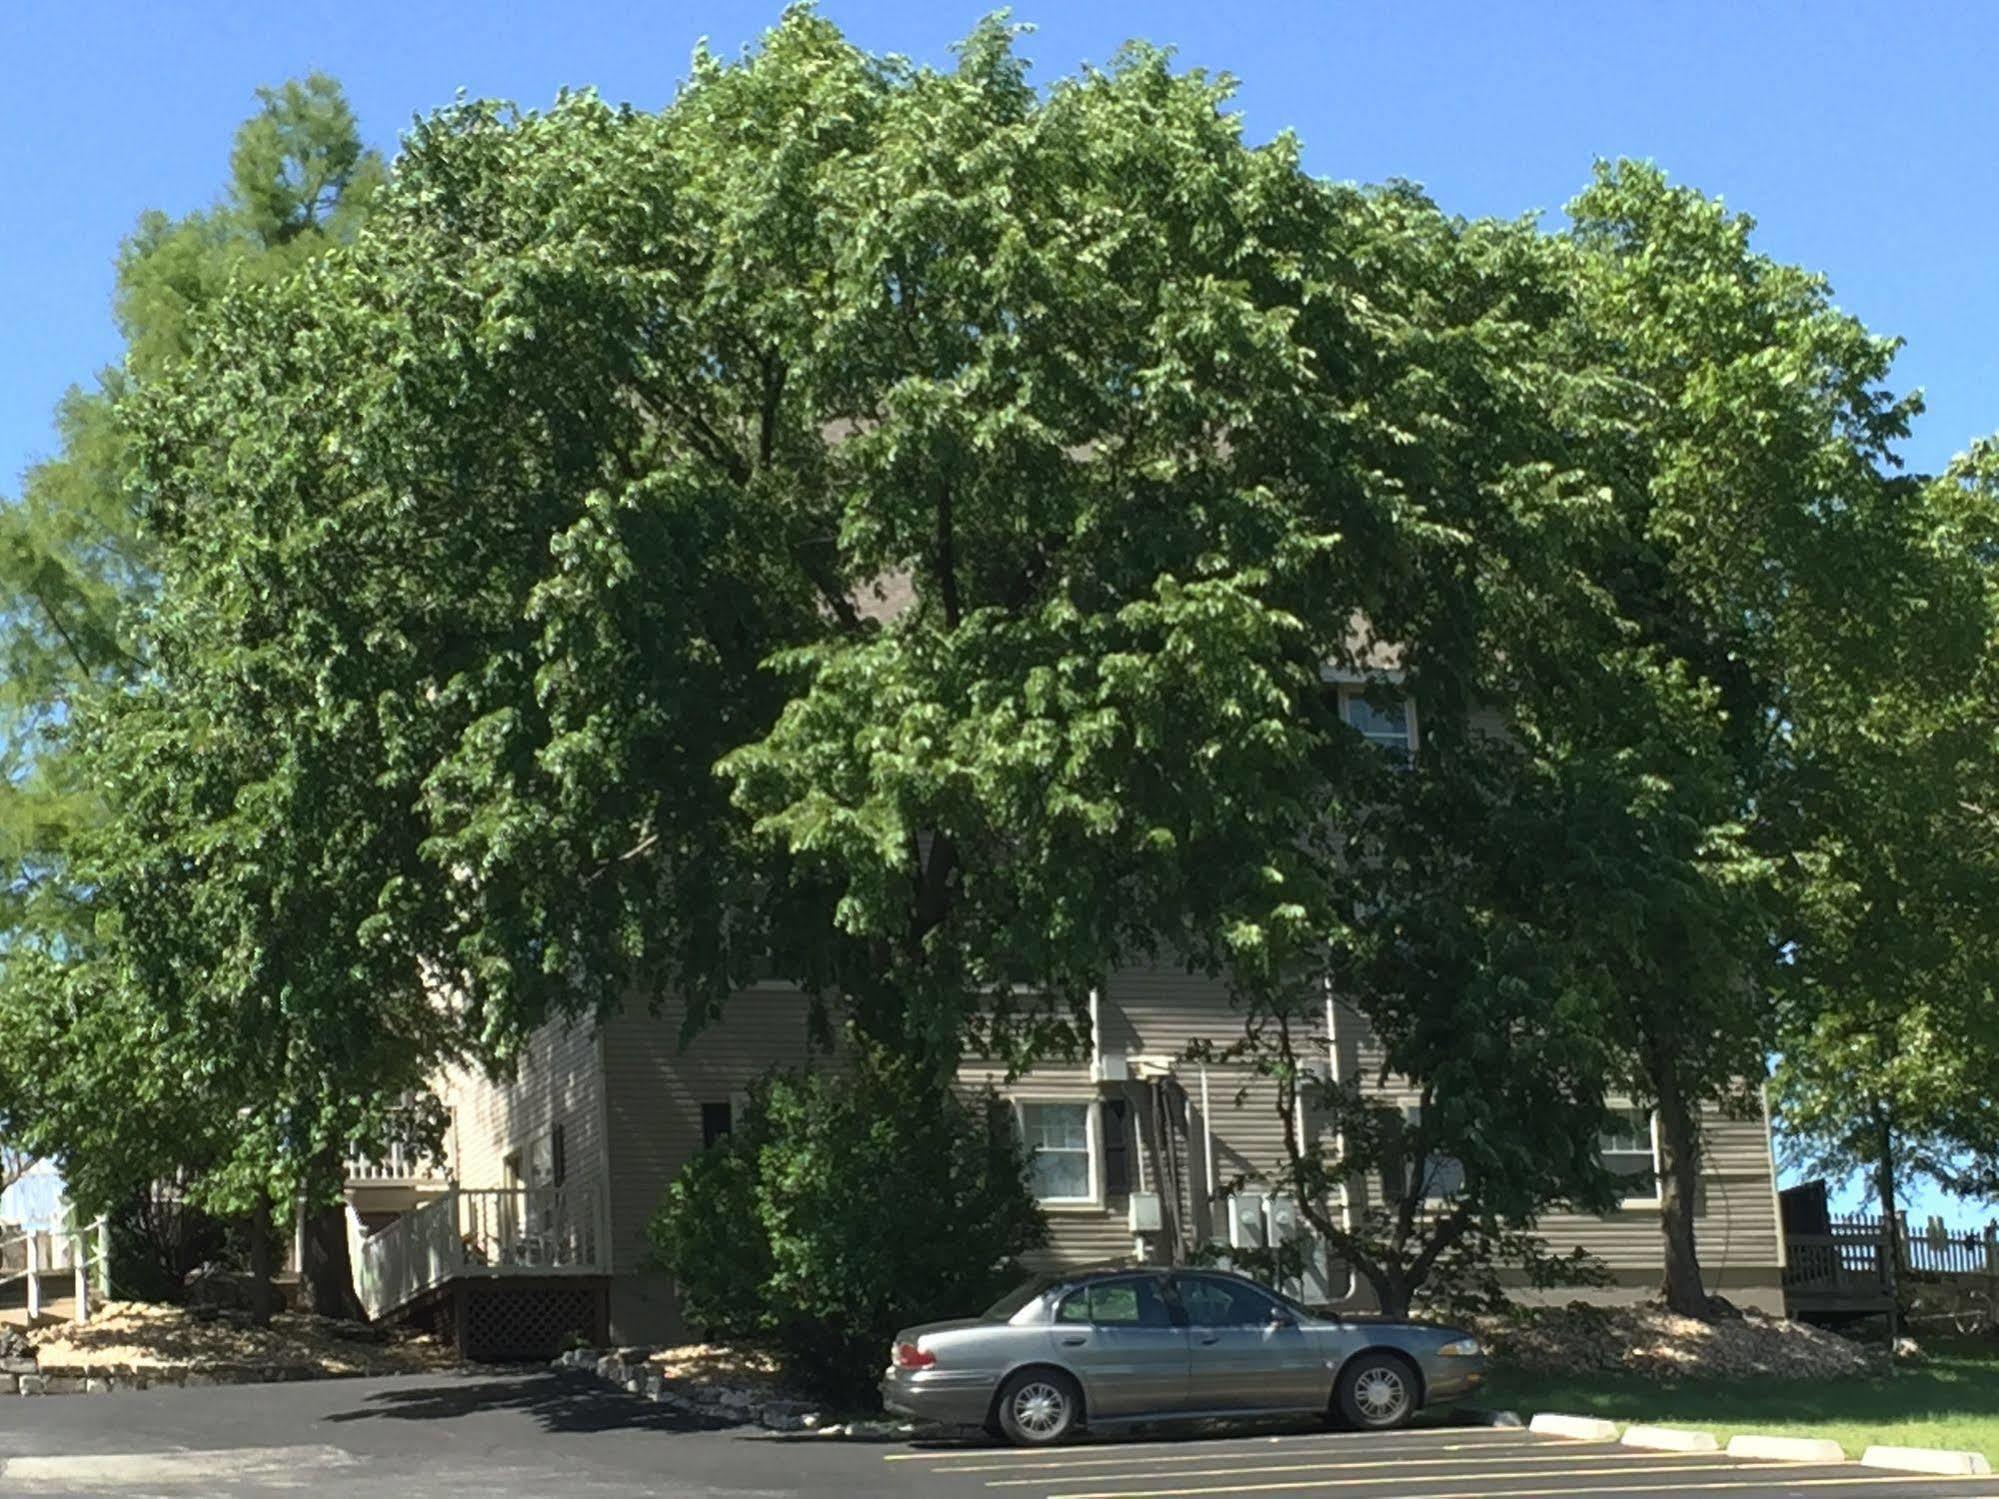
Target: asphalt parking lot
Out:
[527,1434]
[1448,1463]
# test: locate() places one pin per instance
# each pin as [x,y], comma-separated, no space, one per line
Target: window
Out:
[1214,1302]
[1117,1303]
[546,1163]
[1444,1175]
[717,1119]
[1386,727]
[1056,1137]
[1629,1150]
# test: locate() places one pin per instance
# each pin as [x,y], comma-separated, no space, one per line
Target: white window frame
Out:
[1349,694]
[1412,1114]
[1643,1199]
[1093,1149]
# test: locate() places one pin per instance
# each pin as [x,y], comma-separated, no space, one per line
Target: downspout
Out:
[1208,1150]
[1339,1137]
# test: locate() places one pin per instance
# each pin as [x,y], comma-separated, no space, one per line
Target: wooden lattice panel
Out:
[526,1322]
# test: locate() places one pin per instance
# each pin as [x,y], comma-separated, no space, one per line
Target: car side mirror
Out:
[1283,1319]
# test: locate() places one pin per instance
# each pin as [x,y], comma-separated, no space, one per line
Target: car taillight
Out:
[909,1356]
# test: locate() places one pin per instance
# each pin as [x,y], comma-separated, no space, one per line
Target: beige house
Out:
[536,1224]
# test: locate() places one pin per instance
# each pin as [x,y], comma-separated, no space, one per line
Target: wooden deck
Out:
[481,1234]
[1845,1272]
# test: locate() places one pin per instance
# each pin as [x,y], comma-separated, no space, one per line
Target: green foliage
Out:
[81,573]
[891,527]
[1477,1276]
[848,1204]
[1891,1031]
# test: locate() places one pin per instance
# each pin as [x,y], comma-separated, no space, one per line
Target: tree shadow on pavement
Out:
[559,1402]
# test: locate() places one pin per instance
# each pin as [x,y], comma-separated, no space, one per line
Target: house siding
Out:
[1161,1010]
[557,1081]
[653,1091]
[629,1097]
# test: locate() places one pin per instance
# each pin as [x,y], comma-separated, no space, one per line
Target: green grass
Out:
[1949,1399]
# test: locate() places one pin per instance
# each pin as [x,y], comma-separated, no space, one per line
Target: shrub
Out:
[157,1238]
[844,1207]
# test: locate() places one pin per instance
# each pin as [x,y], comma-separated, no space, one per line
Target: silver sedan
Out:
[1117,1347]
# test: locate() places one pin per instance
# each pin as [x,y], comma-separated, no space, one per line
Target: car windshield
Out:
[1022,1295]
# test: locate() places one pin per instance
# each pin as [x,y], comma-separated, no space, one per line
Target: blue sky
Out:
[1860,135]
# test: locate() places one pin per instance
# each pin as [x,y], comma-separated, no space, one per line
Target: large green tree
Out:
[79,574]
[1890,1038]
[1763,553]
[477,539]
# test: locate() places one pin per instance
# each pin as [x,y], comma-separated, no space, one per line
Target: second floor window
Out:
[1384,723]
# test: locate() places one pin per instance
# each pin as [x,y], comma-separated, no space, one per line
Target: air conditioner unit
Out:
[1111,1067]
[1145,1216]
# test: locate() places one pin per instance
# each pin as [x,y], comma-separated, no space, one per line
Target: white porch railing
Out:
[68,1258]
[396,1164]
[480,1232]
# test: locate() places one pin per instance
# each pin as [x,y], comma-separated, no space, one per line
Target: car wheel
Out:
[1377,1392]
[1039,1407]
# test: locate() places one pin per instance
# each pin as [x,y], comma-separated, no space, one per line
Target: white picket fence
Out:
[66,1257]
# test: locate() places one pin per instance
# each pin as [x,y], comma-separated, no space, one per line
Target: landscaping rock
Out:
[1652,1341]
[24,1364]
[10,1384]
[143,1340]
[34,1384]
[787,1415]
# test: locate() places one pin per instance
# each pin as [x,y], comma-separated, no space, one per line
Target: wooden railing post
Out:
[34,1276]
[79,1267]
[103,1259]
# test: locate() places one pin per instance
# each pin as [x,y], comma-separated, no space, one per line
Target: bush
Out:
[842,1208]
[157,1238]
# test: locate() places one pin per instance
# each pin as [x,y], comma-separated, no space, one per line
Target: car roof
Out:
[1090,1273]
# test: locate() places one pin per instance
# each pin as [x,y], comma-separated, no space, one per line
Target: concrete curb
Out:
[1936,1460]
[1787,1449]
[1666,1439]
[1576,1428]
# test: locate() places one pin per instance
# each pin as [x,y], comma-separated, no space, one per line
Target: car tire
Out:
[1039,1407]
[1377,1392]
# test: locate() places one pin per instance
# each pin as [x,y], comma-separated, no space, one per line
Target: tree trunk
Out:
[327,1275]
[263,1266]
[1394,1296]
[1679,1187]
[1891,1235]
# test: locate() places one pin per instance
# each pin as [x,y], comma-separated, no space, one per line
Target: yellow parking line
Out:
[1334,1463]
[1762,1479]
[1212,1453]
[1487,1434]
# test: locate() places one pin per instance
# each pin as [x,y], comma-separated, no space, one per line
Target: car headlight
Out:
[1462,1348]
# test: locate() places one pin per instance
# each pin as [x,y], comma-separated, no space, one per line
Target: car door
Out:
[1247,1351]
[1120,1338]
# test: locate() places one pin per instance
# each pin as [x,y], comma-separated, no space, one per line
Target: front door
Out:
[1120,1338]
[1248,1352]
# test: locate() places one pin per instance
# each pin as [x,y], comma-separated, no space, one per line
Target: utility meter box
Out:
[1246,1223]
[1145,1218]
